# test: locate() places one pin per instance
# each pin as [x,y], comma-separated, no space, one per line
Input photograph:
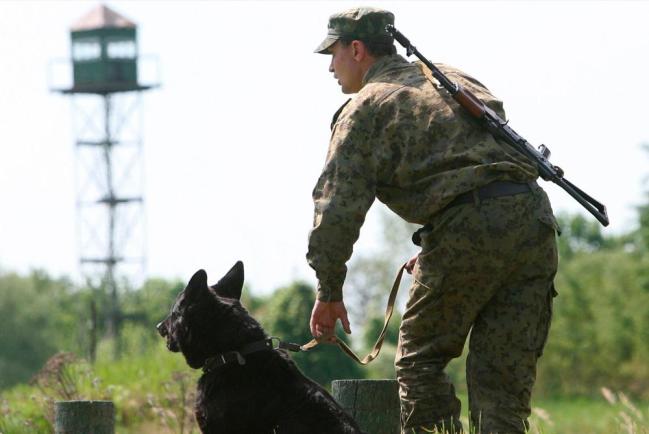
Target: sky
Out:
[236,135]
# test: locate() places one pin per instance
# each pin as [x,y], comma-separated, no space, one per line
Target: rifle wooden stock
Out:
[470,102]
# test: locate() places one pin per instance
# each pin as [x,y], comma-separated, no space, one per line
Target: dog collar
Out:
[271,343]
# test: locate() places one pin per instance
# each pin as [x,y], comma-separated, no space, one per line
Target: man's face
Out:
[345,66]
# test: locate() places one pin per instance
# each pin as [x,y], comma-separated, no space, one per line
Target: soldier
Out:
[488,248]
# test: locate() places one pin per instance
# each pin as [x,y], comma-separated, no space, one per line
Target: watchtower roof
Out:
[102,17]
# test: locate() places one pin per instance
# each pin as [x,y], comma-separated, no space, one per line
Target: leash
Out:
[275,343]
[379,342]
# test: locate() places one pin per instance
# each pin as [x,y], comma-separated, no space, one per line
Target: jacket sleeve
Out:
[342,196]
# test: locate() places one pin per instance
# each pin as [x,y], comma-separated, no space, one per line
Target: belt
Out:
[489,191]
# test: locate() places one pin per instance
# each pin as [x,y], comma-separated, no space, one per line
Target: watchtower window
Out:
[121,49]
[86,49]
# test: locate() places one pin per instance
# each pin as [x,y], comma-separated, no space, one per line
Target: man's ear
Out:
[231,284]
[197,284]
[359,51]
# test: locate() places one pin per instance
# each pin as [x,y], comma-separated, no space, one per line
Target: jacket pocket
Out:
[548,219]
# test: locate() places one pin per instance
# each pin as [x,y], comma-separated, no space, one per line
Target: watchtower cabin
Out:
[104,53]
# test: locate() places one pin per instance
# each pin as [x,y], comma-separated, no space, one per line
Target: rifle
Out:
[501,130]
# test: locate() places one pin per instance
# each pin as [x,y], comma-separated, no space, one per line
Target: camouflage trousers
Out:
[487,268]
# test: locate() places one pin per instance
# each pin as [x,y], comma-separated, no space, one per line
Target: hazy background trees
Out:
[599,337]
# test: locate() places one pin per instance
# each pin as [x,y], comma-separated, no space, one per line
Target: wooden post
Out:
[374,404]
[84,417]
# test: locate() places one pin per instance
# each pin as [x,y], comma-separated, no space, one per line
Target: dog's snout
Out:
[162,329]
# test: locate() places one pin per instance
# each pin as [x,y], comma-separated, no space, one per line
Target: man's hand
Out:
[411,263]
[323,319]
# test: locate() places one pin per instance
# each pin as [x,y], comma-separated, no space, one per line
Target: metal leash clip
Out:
[285,345]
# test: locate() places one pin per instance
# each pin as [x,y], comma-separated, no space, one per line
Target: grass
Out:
[154,392]
[612,414]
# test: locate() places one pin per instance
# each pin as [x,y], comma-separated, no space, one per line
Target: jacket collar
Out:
[384,65]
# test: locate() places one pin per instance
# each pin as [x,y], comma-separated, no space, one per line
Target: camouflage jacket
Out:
[404,140]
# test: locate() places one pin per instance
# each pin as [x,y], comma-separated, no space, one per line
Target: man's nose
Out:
[331,65]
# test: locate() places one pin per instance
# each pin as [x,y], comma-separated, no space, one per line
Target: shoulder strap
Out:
[338,112]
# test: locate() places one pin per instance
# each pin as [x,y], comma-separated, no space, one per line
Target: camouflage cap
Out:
[357,23]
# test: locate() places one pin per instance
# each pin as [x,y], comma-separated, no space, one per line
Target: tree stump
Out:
[374,404]
[84,417]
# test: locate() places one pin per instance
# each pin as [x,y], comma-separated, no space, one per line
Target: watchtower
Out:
[104,53]
[106,97]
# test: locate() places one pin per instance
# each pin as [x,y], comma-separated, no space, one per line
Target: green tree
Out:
[383,365]
[143,309]
[599,335]
[38,315]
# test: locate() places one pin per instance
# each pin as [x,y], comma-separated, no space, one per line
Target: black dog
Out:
[247,386]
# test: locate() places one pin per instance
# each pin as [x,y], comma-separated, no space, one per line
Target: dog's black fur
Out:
[268,394]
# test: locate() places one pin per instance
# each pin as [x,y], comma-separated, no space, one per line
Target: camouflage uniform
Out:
[486,266]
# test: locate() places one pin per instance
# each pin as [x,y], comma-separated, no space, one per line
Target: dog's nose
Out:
[162,329]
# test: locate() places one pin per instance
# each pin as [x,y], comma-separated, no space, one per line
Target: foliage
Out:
[143,309]
[579,235]
[600,333]
[47,315]
[37,318]
[383,366]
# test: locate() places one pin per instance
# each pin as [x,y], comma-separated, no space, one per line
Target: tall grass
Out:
[615,413]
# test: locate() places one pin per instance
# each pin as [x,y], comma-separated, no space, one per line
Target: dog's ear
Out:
[197,284]
[231,284]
